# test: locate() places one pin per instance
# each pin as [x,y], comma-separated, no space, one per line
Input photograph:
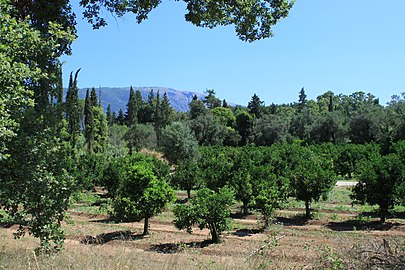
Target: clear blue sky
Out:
[343,46]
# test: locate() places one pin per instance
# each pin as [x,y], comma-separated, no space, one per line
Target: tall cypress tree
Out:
[166,111]
[139,105]
[73,110]
[89,121]
[131,114]
[109,115]
[158,118]
[93,97]
[120,118]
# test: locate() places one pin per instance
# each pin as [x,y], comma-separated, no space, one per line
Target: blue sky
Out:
[343,46]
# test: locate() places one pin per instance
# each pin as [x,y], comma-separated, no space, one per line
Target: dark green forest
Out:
[53,147]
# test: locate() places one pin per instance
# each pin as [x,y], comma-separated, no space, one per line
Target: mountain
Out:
[118,97]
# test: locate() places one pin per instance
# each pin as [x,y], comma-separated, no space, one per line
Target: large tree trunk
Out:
[188,194]
[146,226]
[307,209]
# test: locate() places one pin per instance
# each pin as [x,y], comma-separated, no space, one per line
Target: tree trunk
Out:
[245,208]
[307,210]
[383,212]
[146,226]
[214,233]
[188,194]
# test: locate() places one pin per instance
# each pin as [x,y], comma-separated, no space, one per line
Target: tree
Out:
[271,191]
[329,127]
[270,129]
[302,100]
[131,116]
[197,108]
[89,122]
[178,143]
[18,65]
[120,118]
[224,116]
[253,19]
[210,100]
[109,116]
[187,176]
[141,195]
[148,111]
[207,209]
[158,118]
[208,130]
[100,130]
[311,177]
[255,106]
[141,136]
[244,125]
[73,110]
[240,180]
[166,111]
[381,182]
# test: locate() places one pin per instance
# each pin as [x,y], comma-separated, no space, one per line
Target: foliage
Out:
[244,125]
[208,130]
[141,136]
[187,176]
[207,209]
[141,195]
[255,106]
[270,192]
[224,116]
[21,51]
[270,129]
[36,195]
[178,143]
[311,177]
[382,182]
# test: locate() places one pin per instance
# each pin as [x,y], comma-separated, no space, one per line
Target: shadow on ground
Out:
[246,232]
[172,248]
[297,220]
[107,237]
[360,225]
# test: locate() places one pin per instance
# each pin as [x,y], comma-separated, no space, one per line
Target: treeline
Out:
[357,118]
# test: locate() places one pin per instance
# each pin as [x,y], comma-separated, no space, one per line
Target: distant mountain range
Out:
[118,97]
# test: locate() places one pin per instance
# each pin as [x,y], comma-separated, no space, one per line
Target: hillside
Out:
[118,97]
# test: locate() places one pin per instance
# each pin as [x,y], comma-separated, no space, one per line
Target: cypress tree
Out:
[130,115]
[89,122]
[120,118]
[109,115]
[158,118]
[139,105]
[73,109]
[94,98]
[166,111]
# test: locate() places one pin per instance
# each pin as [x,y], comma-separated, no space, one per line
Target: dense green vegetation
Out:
[52,149]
